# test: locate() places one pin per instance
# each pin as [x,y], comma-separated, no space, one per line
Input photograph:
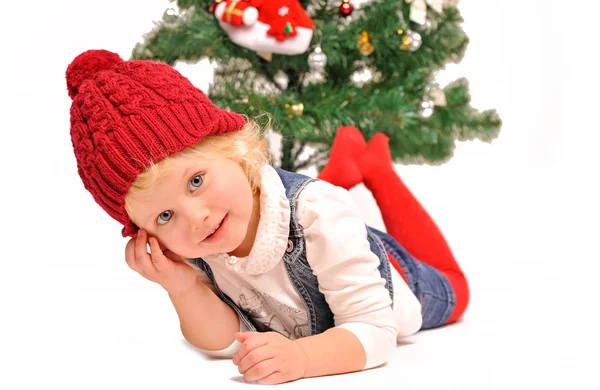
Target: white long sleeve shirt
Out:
[340,257]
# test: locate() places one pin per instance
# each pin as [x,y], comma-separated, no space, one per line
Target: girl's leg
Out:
[407,221]
[342,169]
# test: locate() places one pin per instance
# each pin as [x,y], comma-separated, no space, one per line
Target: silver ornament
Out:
[171,16]
[417,41]
[361,77]
[313,77]
[411,40]
[281,79]
[317,59]
[427,106]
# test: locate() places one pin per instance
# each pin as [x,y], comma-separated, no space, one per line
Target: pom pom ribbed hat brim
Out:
[128,114]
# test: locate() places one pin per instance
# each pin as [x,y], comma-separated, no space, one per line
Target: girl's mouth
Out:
[219,231]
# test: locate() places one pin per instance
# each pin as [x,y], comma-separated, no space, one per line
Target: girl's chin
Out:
[227,245]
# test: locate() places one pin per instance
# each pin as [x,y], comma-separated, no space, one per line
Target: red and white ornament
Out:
[237,13]
[266,26]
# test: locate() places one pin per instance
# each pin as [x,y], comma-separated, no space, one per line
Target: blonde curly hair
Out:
[247,146]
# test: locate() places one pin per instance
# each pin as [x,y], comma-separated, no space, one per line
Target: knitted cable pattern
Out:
[126,115]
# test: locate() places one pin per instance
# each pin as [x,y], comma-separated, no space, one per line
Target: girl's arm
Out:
[335,351]
[340,257]
[206,321]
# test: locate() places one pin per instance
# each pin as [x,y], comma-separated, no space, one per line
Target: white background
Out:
[521,215]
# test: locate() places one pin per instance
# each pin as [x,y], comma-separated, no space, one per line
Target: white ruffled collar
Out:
[273,229]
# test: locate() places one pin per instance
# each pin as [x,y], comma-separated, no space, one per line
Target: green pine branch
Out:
[388,103]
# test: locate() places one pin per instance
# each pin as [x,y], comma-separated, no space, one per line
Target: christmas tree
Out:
[316,65]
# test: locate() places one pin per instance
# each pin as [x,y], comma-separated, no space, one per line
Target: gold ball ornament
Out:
[365,47]
[294,109]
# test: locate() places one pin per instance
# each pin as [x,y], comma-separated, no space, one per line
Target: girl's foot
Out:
[342,169]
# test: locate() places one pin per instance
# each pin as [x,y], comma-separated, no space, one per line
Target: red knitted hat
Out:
[127,114]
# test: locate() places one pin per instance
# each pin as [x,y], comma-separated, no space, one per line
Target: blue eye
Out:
[164,217]
[196,182]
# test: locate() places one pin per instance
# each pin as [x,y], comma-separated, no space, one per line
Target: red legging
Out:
[406,220]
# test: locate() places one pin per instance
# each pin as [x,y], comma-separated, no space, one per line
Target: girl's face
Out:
[203,207]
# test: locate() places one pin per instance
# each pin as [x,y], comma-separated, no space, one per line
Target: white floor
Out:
[521,214]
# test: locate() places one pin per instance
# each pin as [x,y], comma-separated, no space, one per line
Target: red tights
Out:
[353,161]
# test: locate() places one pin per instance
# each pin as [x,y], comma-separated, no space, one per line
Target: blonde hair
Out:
[247,146]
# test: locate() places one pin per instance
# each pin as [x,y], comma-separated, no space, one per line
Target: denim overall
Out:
[428,284]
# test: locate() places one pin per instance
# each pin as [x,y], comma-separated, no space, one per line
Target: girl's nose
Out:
[198,218]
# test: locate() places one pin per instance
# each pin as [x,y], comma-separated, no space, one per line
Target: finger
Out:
[253,340]
[142,257]
[130,254]
[254,357]
[160,261]
[249,341]
[272,379]
[171,256]
[261,370]
[242,336]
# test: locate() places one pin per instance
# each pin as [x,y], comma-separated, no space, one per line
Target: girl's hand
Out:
[171,273]
[269,358]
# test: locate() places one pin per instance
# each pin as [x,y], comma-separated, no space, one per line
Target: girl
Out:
[273,269]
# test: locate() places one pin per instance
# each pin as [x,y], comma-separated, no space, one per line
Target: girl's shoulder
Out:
[320,198]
